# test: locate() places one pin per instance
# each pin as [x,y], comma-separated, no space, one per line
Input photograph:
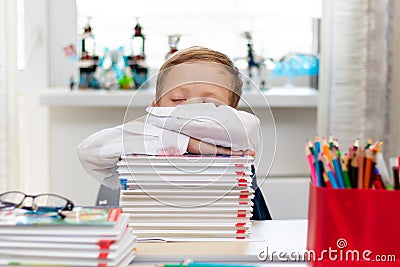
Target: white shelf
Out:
[296,97]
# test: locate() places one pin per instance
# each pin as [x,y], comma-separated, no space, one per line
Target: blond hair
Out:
[202,54]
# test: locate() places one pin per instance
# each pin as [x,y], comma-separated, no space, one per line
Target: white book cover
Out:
[175,171]
[82,238]
[180,210]
[122,261]
[187,168]
[182,192]
[156,204]
[189,226]
[186,180]
[192,159]
[97,245]
[187,177]
[176,180]
[193,233]
[69,253]
[254,236]
[186,201]
[212,187]
[184,216]
[167,163]
[190,212]
[188,185]
[80,221]
[233,219]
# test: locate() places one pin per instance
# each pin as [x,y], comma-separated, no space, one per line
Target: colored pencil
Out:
[360,161]
[354,171]
[345,173]
[368,169]
[311,164]
[329,172]
[317,165]
[363,167]
[338,171]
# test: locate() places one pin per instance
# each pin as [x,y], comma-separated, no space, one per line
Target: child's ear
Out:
[153,103]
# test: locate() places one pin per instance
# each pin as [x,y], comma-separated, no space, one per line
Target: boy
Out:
[197,93]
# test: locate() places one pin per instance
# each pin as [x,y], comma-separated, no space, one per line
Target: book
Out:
[95,245]
[188,158]
[77,216]
[79,221]
[121,261]
[187,197]
[85,237]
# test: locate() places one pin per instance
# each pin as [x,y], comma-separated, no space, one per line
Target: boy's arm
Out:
[197,146]
[221,126]
[100,152]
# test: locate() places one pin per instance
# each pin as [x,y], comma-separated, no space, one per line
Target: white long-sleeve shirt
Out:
[166,131]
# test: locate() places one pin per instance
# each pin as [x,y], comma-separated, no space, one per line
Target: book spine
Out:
[105,244]
[113,214]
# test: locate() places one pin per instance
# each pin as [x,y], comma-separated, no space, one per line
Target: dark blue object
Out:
[260,208]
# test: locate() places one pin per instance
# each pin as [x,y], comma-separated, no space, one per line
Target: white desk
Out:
[284,236]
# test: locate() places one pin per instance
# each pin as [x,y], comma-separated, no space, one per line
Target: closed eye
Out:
[178,99]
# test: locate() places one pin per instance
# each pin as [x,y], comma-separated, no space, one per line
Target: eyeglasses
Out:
[40,203]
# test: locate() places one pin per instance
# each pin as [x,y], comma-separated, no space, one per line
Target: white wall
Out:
[46,34]
[7,107]
[33,127]
[287,198]
[62,32]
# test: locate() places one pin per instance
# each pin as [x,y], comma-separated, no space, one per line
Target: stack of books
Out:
[86,237]
[187,197]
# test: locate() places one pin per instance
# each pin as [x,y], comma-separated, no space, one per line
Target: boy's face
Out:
[196,93]
[196,83]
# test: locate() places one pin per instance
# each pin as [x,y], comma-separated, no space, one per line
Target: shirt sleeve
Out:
[219,125]
[100,152]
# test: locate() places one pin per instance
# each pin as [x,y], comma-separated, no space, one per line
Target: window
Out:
[277,27]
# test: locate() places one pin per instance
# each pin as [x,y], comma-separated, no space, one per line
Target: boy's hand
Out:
[196,146]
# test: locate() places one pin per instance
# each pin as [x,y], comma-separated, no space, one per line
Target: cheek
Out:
[224,99]
[161,102]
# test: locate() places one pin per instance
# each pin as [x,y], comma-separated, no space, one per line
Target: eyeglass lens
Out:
[14,199]
[11,199]
[49,201]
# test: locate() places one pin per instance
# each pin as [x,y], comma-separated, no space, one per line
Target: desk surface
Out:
[284,236]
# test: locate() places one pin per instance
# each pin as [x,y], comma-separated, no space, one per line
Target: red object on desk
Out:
[348,220]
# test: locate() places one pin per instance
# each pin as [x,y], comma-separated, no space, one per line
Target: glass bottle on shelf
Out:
[87,59]
[173,41]
[137,58]
[87,40]
[137,42]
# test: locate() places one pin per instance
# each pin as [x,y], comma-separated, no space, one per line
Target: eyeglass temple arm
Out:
[6,204]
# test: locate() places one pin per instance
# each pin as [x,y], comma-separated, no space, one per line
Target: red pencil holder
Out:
[353,227]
